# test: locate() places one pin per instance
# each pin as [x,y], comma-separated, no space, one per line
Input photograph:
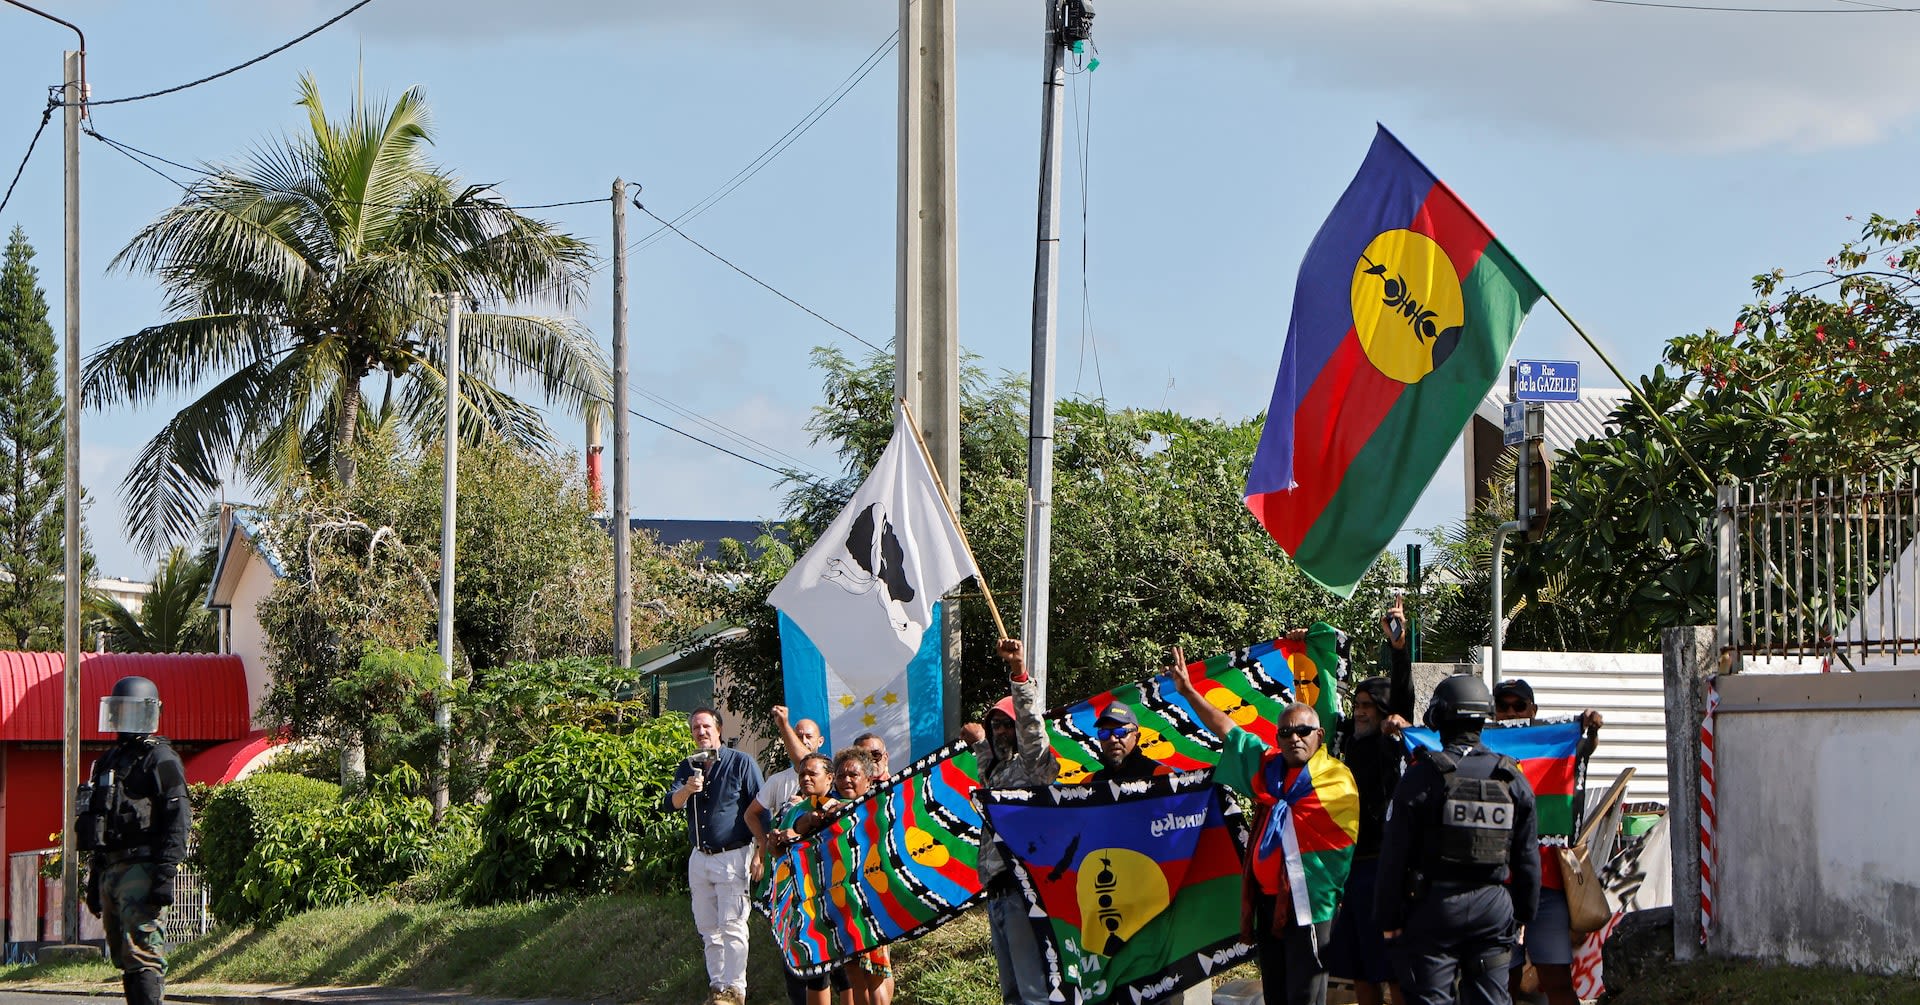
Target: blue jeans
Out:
[1023,973]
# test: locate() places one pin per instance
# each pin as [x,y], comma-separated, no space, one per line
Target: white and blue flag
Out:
[857,613]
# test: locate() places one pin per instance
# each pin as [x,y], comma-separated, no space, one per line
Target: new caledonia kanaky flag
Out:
[1402,317]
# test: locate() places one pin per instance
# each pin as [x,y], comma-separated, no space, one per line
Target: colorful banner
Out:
[1134,888]
[901,862]
[1548,754]
[1402,316]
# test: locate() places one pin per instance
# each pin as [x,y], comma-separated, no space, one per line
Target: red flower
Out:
[1738,326]
[1852,345]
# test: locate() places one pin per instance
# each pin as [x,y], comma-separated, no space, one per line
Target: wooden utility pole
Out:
[927,323]
[622,506]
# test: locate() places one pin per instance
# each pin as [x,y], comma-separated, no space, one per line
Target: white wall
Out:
[1817,824]
[1629,692]
[245,638]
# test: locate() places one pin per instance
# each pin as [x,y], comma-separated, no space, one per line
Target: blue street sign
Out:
[1546,380]
[1513,423]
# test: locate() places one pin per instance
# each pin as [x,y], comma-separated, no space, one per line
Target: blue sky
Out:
[1643,163]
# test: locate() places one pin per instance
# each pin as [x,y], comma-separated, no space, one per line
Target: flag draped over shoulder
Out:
[1311,829]
[897,864]
[859,607]
[1134,887]
[1548,755]
[1403,313]
[1253,685]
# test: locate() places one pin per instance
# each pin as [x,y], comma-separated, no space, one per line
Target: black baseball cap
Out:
[1117,714]
[1514,688]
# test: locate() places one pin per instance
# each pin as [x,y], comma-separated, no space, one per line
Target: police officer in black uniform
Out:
[133,822]
[1459,870]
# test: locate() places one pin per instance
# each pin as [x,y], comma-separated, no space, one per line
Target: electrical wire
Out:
[45,117]
[270,53]
[756,279]
[787,139]
[1083,132]
[130,154]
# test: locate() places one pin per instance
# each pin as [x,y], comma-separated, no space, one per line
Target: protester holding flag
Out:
[1308,814]
[1547,942]
[799,818]
[1458,865]
[1373,752]
[1014,751]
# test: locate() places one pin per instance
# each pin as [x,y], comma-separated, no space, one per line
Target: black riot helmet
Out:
[1460,703]
[133,708]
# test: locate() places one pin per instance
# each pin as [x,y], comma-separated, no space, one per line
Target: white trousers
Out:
[720,912]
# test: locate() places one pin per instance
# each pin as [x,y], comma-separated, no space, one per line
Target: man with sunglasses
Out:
[1547,942]
[1118,733]
[1288,927]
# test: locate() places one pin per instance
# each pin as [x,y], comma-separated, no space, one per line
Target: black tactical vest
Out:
[1475,826]
[118,805]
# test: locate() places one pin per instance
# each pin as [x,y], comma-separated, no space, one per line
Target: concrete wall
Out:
[1817,820]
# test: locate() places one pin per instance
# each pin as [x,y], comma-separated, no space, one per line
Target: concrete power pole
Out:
[926,314]
[622,443]
[71,94]
[449,511]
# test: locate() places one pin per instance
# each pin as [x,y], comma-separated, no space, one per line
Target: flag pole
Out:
[941,487]
[1666,425]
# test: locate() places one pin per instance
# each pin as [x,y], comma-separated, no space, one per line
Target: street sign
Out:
[1546,380]
[1513,423]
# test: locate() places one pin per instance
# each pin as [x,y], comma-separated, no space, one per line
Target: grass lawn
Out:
[643,950]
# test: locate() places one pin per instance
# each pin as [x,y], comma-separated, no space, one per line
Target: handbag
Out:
[1588,909]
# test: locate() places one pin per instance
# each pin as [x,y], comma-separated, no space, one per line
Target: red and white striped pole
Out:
[1707,858]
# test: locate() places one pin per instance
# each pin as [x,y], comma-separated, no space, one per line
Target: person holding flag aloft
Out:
[1307,816]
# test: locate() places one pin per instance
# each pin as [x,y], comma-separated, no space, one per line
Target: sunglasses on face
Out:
[1300,732]
[1105,733]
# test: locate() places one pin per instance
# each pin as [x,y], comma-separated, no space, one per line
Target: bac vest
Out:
[1475,827]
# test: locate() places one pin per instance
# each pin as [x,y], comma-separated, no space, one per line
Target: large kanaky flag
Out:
[859,642]
[1403,313]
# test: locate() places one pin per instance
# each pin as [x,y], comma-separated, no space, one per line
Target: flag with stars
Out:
[860,613]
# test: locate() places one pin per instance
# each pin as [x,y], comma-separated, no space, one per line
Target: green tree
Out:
[1152,544]
[32,461]
[326,258]
[174,617]
[352,624]
[1816,379]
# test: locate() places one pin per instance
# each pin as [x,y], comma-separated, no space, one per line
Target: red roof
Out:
[232,760]
[204,697]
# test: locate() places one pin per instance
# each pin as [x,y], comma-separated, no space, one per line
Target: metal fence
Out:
[1820,572]
[33,906]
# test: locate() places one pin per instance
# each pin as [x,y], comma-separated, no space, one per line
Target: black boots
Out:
[144,987]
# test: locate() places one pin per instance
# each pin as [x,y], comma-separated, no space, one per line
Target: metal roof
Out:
[1628,689]
[204,697]
[1567,422]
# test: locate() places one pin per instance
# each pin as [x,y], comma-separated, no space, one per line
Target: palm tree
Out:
[174,617]
[323,259]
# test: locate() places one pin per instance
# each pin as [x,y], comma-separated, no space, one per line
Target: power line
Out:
[787,139]
[756,279]
[330,22]
[45,117]
[130,154]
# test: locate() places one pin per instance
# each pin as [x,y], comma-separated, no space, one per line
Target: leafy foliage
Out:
[320,260]
[362,846]
[174,617]
[1815,380]
[237,816]
[577,814]
[32,461]
[1152,544]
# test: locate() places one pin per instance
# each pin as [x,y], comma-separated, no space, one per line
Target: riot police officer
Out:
[1458,868]
[133,822]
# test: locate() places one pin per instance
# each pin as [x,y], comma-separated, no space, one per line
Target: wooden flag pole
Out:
[939,486]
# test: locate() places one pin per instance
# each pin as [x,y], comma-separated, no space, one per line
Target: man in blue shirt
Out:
[713,787]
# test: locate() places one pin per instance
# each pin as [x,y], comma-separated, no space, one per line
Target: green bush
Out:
[359,847]
[449,859]
[236,817]
[576,815]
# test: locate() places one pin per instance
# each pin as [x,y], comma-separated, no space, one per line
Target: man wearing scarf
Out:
[1307,815]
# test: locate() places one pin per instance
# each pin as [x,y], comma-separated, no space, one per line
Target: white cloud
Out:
[1666,79]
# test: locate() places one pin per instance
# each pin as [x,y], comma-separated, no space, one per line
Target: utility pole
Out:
[1068,22]
[622,443]
[449,497]
[926,313]
[72,94]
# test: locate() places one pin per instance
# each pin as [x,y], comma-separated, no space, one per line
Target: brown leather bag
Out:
[1587,904]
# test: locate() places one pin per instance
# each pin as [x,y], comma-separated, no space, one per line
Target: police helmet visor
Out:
[129,715]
